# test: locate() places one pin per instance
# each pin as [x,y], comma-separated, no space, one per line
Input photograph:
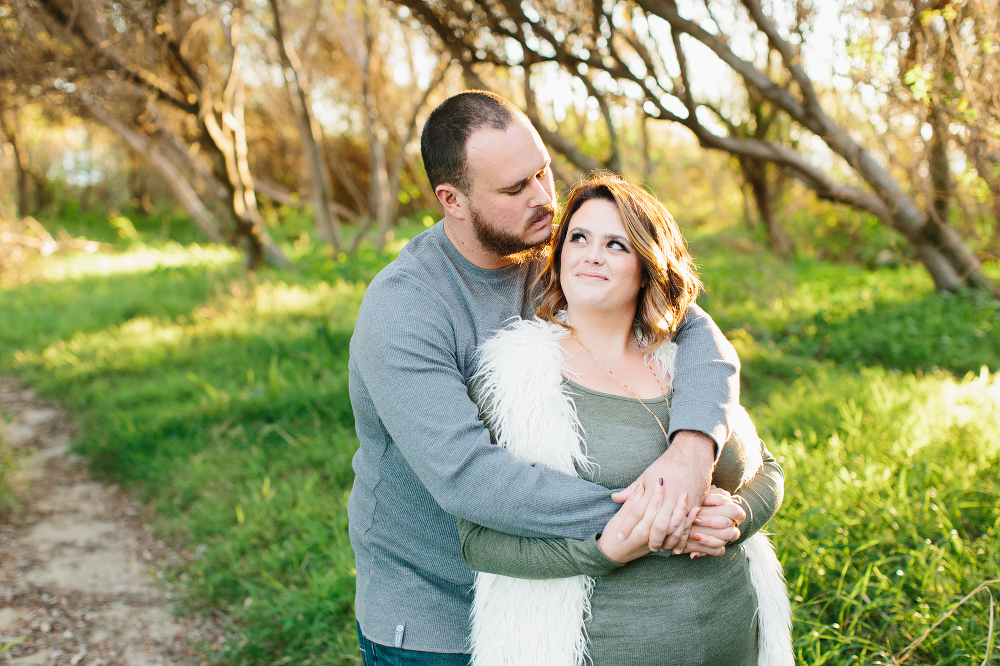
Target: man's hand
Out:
[686,472]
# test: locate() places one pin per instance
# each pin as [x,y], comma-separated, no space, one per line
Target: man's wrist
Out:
[696,444]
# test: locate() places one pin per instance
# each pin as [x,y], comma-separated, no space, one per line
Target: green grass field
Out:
[221,400]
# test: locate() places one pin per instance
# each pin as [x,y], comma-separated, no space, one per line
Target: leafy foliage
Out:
[221,399]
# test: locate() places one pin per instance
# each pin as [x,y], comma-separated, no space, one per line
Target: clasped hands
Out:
[656,513]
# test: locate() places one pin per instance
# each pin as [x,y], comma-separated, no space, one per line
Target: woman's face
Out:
[599,267]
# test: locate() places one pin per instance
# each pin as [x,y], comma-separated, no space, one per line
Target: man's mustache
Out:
[540,212]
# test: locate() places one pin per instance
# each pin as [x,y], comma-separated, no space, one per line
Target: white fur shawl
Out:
[518,622]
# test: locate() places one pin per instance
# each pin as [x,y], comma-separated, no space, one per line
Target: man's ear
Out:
[452,199]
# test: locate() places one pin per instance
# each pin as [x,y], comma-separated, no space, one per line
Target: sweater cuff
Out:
[708,419]
[593,559]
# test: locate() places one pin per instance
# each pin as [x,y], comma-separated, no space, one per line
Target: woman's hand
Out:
[716,525]
[622,549]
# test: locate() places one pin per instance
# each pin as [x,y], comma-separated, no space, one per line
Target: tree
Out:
[310,134]
[366,35]
[642,49]
[935,62]
[180,74]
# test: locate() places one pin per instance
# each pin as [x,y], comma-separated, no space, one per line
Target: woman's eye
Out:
[617,245]
[576,237]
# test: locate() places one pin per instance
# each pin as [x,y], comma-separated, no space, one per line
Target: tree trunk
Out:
[755,174]
[230,141]
[940,170]
[142,145]
[327,226]
[647,161]
[987,163]
[20,166]
[378,183]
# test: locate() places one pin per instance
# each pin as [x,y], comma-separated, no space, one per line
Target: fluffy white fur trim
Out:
[743,429]
[774,640]
[520,377]
[517,622]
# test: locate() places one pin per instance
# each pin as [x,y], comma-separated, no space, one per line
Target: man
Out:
[424,456]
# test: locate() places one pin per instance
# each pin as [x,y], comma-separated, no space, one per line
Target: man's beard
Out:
[505,244]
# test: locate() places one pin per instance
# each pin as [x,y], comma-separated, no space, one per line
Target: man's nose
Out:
[540,194]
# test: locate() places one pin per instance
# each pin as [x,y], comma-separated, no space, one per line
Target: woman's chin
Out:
[598,305]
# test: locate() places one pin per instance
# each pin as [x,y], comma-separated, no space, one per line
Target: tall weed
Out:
[892,511]
[8,500]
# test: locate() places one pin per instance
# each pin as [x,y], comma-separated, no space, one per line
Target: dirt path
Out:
[78,567]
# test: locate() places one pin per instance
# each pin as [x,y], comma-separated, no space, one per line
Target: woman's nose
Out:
[594,254]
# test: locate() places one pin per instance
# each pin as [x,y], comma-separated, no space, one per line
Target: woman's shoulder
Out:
[525,346]
[662,360]
[525,335]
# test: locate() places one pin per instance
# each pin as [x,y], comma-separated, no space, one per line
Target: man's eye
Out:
[517,190]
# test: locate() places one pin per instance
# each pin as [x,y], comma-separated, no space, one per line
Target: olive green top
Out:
[655,610]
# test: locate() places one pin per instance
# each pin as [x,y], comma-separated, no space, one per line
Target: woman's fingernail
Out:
[697,521]
[696,537]
[661,480]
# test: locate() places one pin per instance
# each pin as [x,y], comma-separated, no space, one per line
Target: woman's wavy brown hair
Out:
[669,282]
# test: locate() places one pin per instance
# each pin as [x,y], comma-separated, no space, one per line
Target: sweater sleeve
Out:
[522,557]
[706,388]
[760,496]
[407,390]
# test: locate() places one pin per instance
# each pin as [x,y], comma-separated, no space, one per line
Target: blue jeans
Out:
[374,654]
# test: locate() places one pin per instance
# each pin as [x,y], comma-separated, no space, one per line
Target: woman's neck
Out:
[603,354]
[611,332]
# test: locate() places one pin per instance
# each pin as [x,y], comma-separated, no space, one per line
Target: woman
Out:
[597,360]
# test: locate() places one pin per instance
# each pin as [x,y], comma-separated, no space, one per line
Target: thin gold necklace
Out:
[624,385]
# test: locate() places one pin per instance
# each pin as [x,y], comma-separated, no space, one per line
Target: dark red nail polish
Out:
[661,480]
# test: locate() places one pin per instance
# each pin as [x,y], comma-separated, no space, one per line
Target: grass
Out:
[221,400]
[8,498]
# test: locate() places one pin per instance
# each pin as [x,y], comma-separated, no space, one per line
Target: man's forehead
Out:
[505,156]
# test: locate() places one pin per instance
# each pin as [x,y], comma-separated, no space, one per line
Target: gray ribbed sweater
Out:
[424,456]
